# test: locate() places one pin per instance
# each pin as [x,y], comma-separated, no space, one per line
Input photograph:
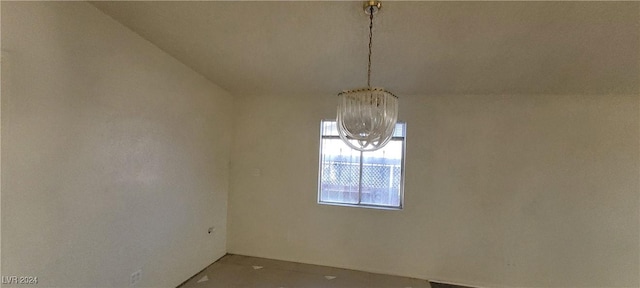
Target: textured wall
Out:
[114,155]
[500,191]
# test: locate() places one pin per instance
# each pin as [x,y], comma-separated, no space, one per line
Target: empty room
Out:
[320,144]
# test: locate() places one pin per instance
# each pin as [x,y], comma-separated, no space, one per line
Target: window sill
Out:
[393,208]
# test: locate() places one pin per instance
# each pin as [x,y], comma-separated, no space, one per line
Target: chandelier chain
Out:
[370,40]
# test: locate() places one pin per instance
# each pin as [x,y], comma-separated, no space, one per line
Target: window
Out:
[350,177]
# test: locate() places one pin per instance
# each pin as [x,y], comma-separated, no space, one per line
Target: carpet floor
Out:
[248,272]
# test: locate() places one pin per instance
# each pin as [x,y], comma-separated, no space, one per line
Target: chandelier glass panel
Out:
[367,116]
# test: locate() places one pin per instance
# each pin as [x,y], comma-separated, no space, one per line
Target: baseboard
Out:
[440,284]
[205,268]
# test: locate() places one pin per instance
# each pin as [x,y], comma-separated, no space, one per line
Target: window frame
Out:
[400,206]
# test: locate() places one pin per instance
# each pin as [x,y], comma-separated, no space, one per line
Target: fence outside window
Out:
[350,177]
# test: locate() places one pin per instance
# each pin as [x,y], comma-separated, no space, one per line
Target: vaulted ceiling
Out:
[420,48]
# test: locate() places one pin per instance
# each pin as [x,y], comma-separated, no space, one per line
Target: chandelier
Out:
[367,116]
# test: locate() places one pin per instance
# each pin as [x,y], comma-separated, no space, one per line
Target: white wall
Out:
[114,155]
[500,191]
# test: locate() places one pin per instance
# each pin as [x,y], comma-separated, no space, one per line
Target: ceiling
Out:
[420,48]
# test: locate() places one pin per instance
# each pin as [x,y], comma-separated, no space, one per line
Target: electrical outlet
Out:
[135,277]
[211,229]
